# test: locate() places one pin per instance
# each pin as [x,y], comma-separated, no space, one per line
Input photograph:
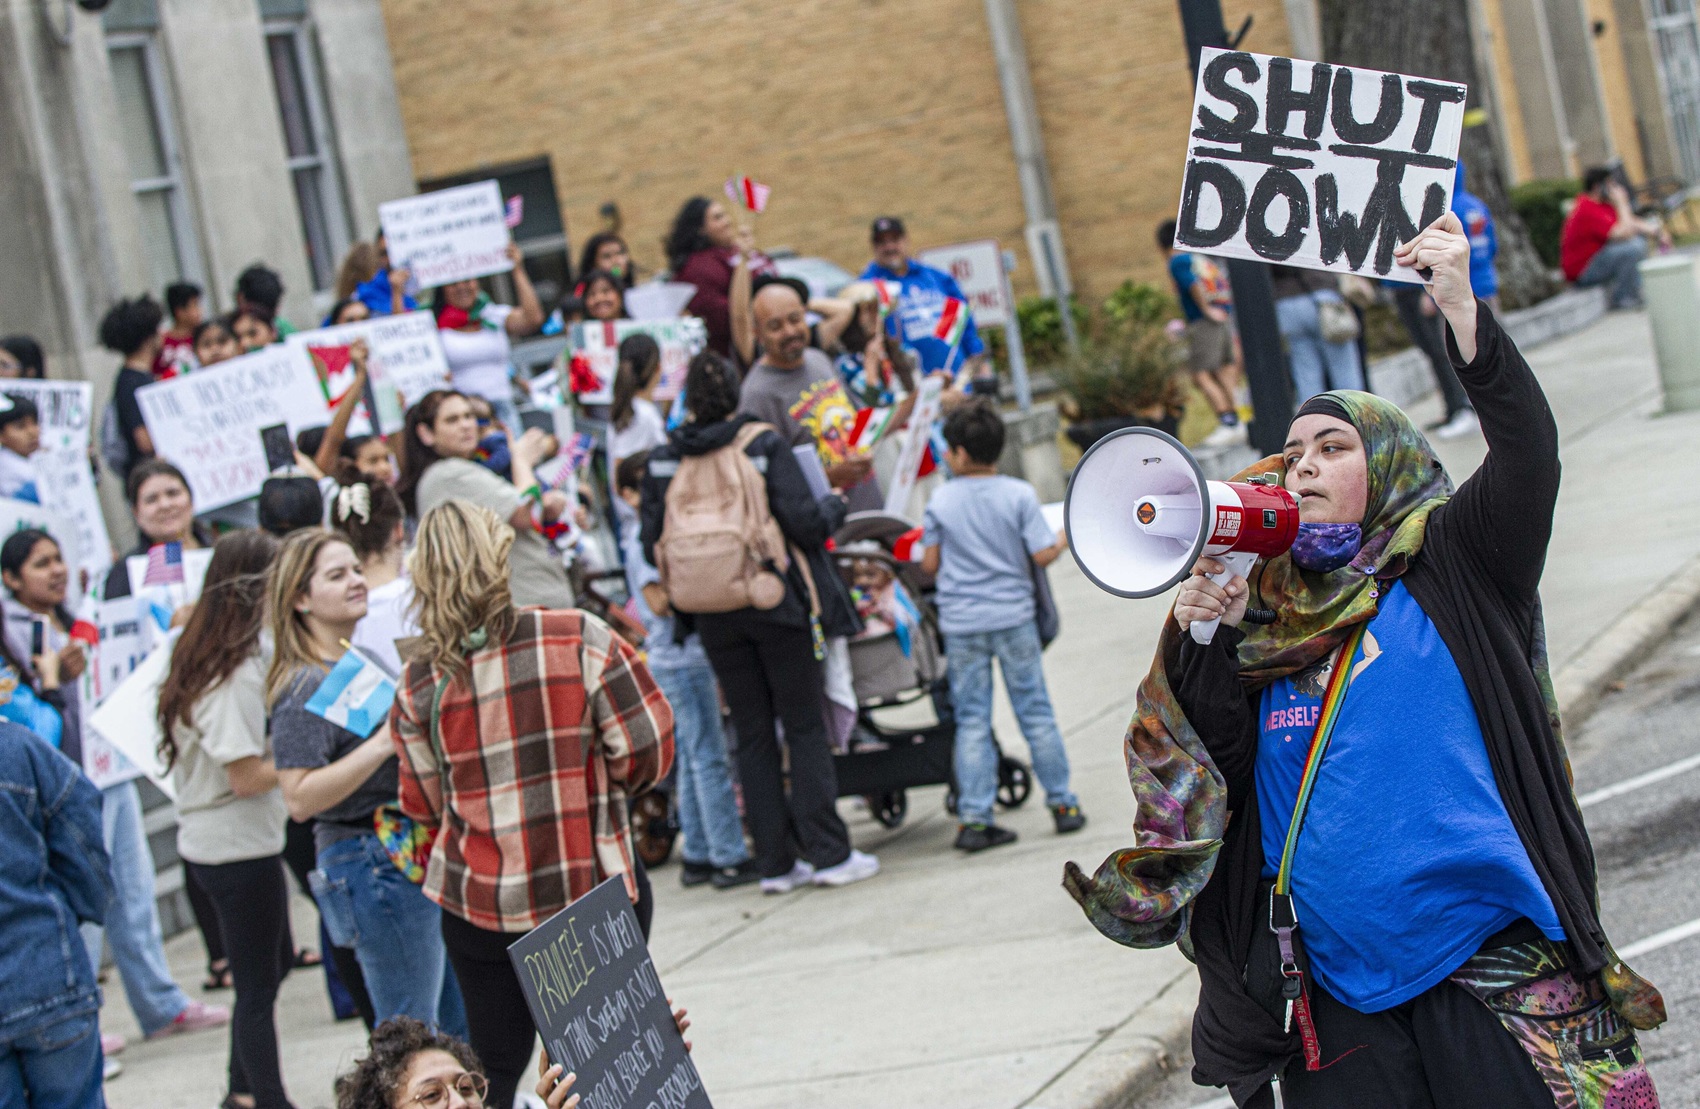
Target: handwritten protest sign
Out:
[450,235]
[593,354]
[1316,165]
[62,464]
[914,442]
[595,997]
[16,515]
[209,423]
[406,362]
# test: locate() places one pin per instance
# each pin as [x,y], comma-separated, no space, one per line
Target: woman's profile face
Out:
[1327,470]
[42,580]
[461,294]
[336,593]
[717,226]
[454,433]
[602,301]
[164,509]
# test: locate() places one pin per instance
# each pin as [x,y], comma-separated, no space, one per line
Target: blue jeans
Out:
[708,810]
[132,920]
[1317,366]
[395,931]
[58,1066]
[1617,266]
[1018,653]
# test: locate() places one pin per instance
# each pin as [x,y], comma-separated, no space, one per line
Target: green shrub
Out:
[1123,371]
[1041,328]
[1541,204]
[1140,302]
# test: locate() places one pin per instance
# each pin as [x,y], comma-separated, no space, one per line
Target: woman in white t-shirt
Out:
[371,516]
[637,423]
[478,336]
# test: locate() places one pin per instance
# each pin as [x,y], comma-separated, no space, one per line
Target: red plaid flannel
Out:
[531,766]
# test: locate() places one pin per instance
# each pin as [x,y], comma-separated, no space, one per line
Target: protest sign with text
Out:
[593,354]
[1315,165]
[914,439]
[595,997]
[208,424]
[16,515]
[62,465]
[405,361]
[450,235]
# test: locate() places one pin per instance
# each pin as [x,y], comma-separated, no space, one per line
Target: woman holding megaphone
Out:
[1359,817]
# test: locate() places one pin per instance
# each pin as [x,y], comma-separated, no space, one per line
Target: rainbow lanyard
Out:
[1332,699]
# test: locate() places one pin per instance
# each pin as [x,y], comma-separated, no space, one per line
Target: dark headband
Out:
[1324,405]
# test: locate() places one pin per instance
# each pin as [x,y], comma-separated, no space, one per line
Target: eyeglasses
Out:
[435,1095]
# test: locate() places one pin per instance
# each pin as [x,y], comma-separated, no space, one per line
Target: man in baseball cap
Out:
[925,294]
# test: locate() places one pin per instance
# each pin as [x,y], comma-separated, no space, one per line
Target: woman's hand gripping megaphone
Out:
[1202,600]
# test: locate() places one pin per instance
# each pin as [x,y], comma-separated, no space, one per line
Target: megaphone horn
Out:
[1140,513]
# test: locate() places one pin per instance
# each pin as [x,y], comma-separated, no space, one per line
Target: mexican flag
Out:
[953,322]
[749,192]
[889,293]
[870,426]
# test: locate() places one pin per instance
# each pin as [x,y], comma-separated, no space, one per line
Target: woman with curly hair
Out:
[411,1065]
[708,250]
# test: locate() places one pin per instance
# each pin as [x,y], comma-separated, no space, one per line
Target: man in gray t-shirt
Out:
[795,388]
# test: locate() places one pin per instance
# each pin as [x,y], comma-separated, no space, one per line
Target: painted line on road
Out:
[1661,939]
[1640,781]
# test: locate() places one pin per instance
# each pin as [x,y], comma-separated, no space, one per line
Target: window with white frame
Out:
[311,151]
[150,147]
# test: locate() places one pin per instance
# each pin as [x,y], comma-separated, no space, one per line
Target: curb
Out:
[1579,686]
[1131,1058]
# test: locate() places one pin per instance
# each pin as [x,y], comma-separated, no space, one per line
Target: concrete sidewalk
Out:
[975,982]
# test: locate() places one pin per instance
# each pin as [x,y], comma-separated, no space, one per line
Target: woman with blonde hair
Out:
[493,689]
[343,782]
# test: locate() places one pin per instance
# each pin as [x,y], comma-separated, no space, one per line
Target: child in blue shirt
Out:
[20,437]
[983,534]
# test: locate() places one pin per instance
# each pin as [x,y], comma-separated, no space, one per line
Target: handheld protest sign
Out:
[449,235]
[598,1003]
[1322,166]
[405,361]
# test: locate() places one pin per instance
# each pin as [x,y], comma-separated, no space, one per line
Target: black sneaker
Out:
[1069,818]
[696,874]
[978,837]
[727,877]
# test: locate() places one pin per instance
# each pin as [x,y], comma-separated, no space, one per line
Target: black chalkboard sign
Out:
[596,999]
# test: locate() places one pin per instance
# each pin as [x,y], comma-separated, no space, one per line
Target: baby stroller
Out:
[895,674]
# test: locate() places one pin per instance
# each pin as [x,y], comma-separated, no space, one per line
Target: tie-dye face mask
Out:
[1324,548]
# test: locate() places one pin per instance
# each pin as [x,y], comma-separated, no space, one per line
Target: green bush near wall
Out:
[1541,204]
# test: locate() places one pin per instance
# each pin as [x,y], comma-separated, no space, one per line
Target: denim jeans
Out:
[1317,366]
[395,931]
[708,810]
[1617,266]
[132,920]
[1018,653]
[58,1066]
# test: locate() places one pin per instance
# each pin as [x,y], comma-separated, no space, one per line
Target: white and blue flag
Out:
[356,694]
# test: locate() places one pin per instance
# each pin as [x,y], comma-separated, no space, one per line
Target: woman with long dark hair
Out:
[707,249]
[230,811]
[638,423]
[603,296]
[606,252]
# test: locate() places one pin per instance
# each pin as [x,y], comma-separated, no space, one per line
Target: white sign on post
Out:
[449,235]
[405,361]
[62,465]
[978,269]
[1315,165]
[915,438]
[208,423]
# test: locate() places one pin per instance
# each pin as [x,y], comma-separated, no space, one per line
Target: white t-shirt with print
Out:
[479,361]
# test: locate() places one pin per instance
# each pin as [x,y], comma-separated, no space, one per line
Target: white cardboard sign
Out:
[406,360]
[16,515]
[62,464]
[1322,166]
[450,235]
[914,442]
[978,269]
[129,718]
[208,423]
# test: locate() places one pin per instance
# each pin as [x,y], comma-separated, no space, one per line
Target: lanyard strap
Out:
[1331,702]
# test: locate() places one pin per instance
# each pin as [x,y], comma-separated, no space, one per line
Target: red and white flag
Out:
[515,211]
[749,192]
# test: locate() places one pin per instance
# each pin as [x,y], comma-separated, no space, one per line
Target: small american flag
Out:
[749,192]
[578,450]
[165,564]
[515,211]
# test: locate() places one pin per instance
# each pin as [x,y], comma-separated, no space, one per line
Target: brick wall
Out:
[847,108]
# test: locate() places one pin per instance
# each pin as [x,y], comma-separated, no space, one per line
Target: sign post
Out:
[978,268]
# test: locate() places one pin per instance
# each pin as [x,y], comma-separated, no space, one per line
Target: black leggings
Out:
[206,920]
[252,905]
[498,1021]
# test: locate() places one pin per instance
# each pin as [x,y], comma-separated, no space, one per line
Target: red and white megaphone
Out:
[1140,512]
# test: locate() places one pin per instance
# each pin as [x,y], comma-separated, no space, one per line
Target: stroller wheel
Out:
[653,830]
[889,809]
[1015,782]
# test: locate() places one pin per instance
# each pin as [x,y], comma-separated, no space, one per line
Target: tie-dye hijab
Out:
[1141,896]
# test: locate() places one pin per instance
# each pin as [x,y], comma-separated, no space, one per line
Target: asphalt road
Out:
[1637,765]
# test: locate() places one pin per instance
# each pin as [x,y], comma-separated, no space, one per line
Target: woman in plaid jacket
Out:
[521,732]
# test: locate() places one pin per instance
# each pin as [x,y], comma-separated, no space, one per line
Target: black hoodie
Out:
[806,522]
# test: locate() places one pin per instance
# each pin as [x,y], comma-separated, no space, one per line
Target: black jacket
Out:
[807,522]
[1476,579]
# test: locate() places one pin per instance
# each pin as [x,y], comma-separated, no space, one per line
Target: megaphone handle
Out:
[1239,564]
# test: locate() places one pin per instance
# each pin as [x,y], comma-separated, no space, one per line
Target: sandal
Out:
[306,957]
[218,977]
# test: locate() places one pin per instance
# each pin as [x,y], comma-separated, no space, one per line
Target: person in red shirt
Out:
[177,346]
[1604,241]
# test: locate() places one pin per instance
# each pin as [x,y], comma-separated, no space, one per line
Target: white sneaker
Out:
[858,867]
[1458,426]
[1225,435]
[800,874]
[110,1068]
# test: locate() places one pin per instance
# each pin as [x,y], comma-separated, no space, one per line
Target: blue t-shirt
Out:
[658,631]
[1407,860]
[916,316]
[990,527]
[1473,213]
[1180,271]
[374,293]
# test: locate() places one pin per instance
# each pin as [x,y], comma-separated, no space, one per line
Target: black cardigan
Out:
[1476,578]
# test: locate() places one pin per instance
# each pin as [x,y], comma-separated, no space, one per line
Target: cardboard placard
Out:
[449,235]
[129,717]
[405,361]
[16,515]
[1322,166]
[593,352]
[208,424]
[62,465]
[595,997]
[914,442]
